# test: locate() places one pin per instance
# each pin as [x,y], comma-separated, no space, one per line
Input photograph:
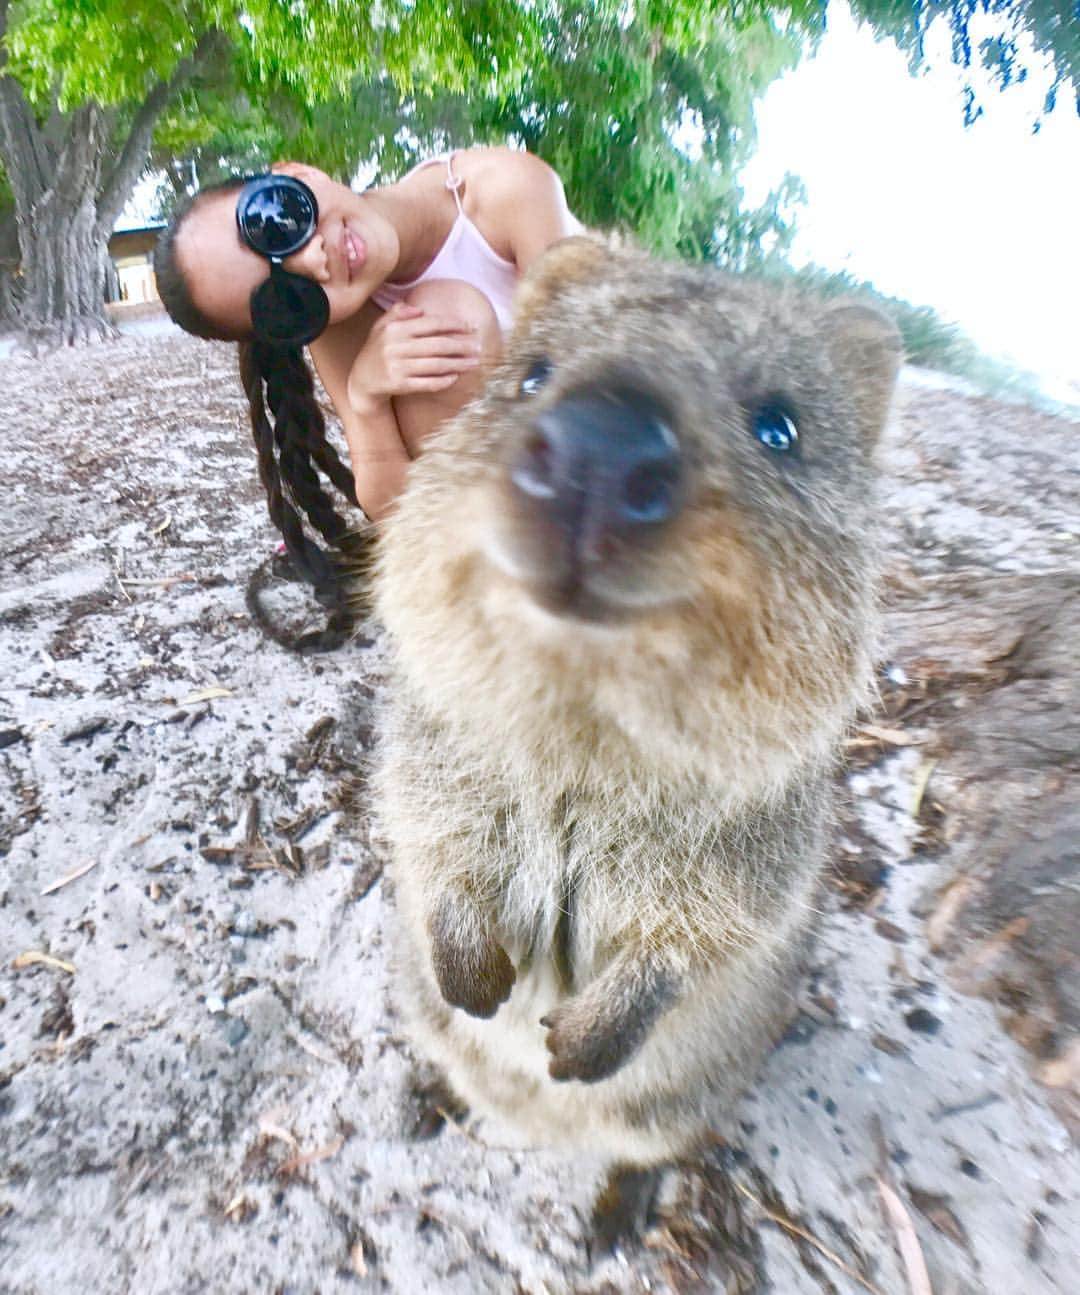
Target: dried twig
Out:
[238,1206]
[120,581]
[164,582]
[453,1124]
[74,875]
[302,1159]
[798,1231]
[426,1212]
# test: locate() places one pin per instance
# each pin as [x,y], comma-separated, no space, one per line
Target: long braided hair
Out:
[289,431]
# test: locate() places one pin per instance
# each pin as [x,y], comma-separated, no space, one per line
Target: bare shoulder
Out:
[505,178]
[499,169]
[517,200]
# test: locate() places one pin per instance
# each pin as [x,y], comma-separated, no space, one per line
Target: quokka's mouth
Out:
[604,598]
[576,602]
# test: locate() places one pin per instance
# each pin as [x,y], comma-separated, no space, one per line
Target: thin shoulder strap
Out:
[454,182]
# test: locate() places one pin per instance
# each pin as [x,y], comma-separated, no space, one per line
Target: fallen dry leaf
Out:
[357,1261]
[270,1127]
[897,1216]
[1062,1071]
[33,957]
[240,1208]
[204,694]
[967,970]
[888,736]
[890,1046]
[907,1240]
[941,919]
[938,1209]
[918,790]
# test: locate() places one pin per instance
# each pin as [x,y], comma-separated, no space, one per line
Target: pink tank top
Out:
[465,255]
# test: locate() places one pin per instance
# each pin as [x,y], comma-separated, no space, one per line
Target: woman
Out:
[403,296]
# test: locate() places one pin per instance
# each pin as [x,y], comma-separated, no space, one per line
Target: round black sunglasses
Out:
[277,216]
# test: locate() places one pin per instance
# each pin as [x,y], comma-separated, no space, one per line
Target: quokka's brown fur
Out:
[607,816]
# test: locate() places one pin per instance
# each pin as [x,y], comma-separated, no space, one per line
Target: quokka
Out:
[630,594]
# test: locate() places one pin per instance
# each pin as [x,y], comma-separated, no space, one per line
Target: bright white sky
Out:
[982,222]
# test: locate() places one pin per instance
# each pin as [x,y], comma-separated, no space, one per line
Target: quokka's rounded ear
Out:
[866,349]
[568,262]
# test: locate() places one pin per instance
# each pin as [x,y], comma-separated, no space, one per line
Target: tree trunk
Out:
[70,182]
[63,247]
[9,265]
[63,295]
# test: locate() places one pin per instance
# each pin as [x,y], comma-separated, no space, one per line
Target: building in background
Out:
[132,254]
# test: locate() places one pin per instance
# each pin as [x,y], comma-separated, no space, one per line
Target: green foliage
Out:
[1052,26]
[112,51]
[73,52]
[609,108]
[930,342]
[645,110]
[646,115]
[647,126]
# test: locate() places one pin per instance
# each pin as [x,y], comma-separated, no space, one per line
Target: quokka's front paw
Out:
[476,976]
[584,1045]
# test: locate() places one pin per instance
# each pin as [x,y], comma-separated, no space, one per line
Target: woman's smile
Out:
[355,250]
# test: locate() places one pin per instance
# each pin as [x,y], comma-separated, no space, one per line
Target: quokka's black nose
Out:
[600,466]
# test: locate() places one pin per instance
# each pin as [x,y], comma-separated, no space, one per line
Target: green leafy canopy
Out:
[73,51]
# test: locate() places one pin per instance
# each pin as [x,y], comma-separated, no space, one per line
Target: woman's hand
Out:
[410,350]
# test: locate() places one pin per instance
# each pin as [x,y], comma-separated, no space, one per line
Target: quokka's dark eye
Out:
[775,428]
[538,373]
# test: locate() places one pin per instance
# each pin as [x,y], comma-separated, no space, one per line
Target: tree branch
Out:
[27,159]
[78,160]
[22,147]
[120,178]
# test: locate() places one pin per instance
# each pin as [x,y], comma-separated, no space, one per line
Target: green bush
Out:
[930,342]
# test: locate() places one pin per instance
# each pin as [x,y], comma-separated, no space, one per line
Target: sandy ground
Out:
[203,1085]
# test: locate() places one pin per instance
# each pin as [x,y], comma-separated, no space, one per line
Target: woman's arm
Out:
[373,360]
[377,453]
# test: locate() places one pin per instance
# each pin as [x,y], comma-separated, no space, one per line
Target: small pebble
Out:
[922,1021]
[236,1031]
[245,924]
